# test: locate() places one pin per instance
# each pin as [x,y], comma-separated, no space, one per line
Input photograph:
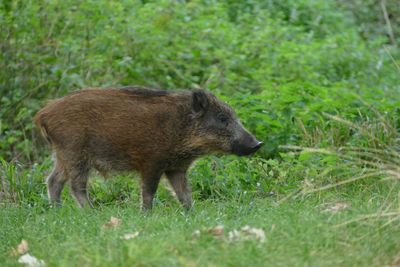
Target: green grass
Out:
[318,78]
[298,232]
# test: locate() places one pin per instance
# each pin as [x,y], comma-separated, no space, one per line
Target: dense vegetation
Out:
[316,80]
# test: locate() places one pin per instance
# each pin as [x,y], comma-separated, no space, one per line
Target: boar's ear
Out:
[200,103]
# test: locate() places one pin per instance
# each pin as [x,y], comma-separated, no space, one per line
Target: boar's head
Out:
[217,128]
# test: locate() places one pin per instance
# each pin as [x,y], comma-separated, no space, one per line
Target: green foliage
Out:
[22,185]
[370,20]
[276,53]
[316,80]
[285,66]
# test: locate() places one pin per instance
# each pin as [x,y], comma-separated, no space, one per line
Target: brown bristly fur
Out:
[153,132]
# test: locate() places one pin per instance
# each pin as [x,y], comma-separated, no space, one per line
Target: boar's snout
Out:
[258,146]
[246,145]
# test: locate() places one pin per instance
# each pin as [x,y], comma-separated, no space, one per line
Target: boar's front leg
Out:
[179,182]
[150,183]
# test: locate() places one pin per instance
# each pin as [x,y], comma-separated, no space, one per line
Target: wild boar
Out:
[153,132]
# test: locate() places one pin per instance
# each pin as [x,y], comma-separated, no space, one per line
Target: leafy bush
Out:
[283,65]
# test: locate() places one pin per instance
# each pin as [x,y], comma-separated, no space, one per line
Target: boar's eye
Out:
[223,119]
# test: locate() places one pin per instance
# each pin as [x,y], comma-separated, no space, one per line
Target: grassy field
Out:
[301,232]
[317,81]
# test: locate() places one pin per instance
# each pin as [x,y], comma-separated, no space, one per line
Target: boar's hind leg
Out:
[149,189]
[179,182]
[79,175]
[55,184]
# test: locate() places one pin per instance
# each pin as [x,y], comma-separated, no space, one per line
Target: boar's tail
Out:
[42,126]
